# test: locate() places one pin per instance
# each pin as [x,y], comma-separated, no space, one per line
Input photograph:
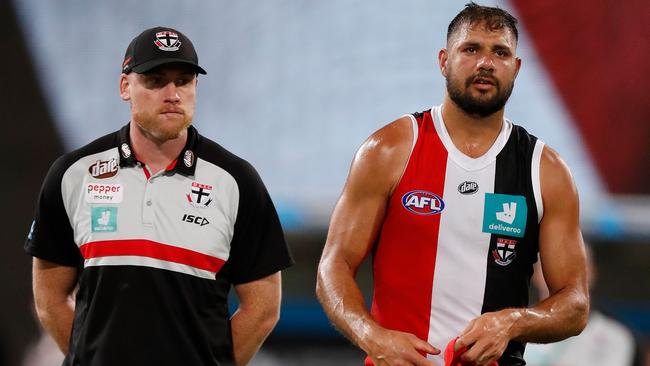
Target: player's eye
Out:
[182,81]
[154,81]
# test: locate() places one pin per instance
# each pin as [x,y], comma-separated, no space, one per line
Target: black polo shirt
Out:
[157,253]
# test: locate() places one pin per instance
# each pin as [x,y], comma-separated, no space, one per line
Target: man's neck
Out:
[157,155]
[472,135]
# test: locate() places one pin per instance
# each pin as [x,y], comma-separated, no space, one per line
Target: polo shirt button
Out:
[149,203]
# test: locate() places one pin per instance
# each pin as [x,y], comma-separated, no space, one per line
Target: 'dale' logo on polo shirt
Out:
[103,169]
[505,214]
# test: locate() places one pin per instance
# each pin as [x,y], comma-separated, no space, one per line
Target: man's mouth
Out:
[172,111]
[484,81]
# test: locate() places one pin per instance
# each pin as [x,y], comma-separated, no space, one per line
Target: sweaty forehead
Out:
[481,33]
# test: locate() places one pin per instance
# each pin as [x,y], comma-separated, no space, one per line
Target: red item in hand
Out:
[452,358]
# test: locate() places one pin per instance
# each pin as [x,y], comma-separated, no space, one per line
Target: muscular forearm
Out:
[560,316]
[250,327]
[57,318]
[343,302]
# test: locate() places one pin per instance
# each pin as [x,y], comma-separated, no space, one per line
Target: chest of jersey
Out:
[122,216]
[459,237]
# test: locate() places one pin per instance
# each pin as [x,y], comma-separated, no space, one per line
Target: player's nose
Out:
[170,92]
[485,62]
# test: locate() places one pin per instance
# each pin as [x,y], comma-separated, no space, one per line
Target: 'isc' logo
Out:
[423,202]
[195,219]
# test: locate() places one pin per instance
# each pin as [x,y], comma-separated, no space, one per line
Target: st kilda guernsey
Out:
[460,235]
[157,253]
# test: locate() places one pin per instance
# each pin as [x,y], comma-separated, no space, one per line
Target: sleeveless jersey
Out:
[460,235]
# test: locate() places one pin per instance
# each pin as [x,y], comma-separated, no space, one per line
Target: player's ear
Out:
[442,61]
[125,87]
[518,66]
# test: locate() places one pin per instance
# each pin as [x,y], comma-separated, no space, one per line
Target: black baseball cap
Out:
[158,46]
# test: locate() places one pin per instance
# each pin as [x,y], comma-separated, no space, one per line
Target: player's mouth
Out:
[483,83]
[172,112]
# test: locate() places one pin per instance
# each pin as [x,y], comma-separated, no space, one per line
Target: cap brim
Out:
[147,66]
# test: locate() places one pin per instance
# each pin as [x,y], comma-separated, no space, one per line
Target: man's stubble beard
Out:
[478,107]
[160,130]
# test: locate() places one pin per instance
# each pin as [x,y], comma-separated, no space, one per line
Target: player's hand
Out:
[487,337]
[393,348]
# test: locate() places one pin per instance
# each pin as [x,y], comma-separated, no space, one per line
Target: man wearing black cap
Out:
[147,228]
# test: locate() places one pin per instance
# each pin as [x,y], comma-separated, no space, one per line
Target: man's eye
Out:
[502,53]
[154,81]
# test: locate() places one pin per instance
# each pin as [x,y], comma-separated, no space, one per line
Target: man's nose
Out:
[485,63]
[170,91]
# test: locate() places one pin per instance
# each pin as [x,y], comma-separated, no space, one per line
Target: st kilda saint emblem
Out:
[199,195]
[167,41]
[505,253]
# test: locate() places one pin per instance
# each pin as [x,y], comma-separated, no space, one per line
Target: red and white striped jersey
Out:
[460,234]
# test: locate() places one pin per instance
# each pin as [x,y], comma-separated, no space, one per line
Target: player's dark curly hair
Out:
[494,18]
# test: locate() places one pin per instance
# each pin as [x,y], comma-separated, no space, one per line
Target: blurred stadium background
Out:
[295,87]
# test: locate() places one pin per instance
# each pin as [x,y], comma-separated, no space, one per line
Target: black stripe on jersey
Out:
[507,286]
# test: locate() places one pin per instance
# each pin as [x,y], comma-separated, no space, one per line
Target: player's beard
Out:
[162,129]
[483,105]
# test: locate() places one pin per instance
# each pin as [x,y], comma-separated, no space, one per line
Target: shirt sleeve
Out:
[258,247]
[51,236]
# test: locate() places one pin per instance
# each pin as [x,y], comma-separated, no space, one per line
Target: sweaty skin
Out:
[355,222]
[486,58]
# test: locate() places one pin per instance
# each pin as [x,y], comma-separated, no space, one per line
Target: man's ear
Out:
[518,66]
[125,87]
[442,61]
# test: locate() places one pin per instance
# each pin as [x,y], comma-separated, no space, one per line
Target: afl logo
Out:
[468,187]
[423,203]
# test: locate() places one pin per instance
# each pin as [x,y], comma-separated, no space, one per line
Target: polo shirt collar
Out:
[184,164]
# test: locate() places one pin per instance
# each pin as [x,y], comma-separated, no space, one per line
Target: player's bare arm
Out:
[258,312]
[353,230]
[564,313]
[53,287]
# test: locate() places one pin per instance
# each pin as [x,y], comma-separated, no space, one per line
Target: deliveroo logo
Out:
[509,213]
[505,214]
[104,219]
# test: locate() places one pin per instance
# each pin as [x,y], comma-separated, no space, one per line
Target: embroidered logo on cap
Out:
[167,41]
[125,64]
